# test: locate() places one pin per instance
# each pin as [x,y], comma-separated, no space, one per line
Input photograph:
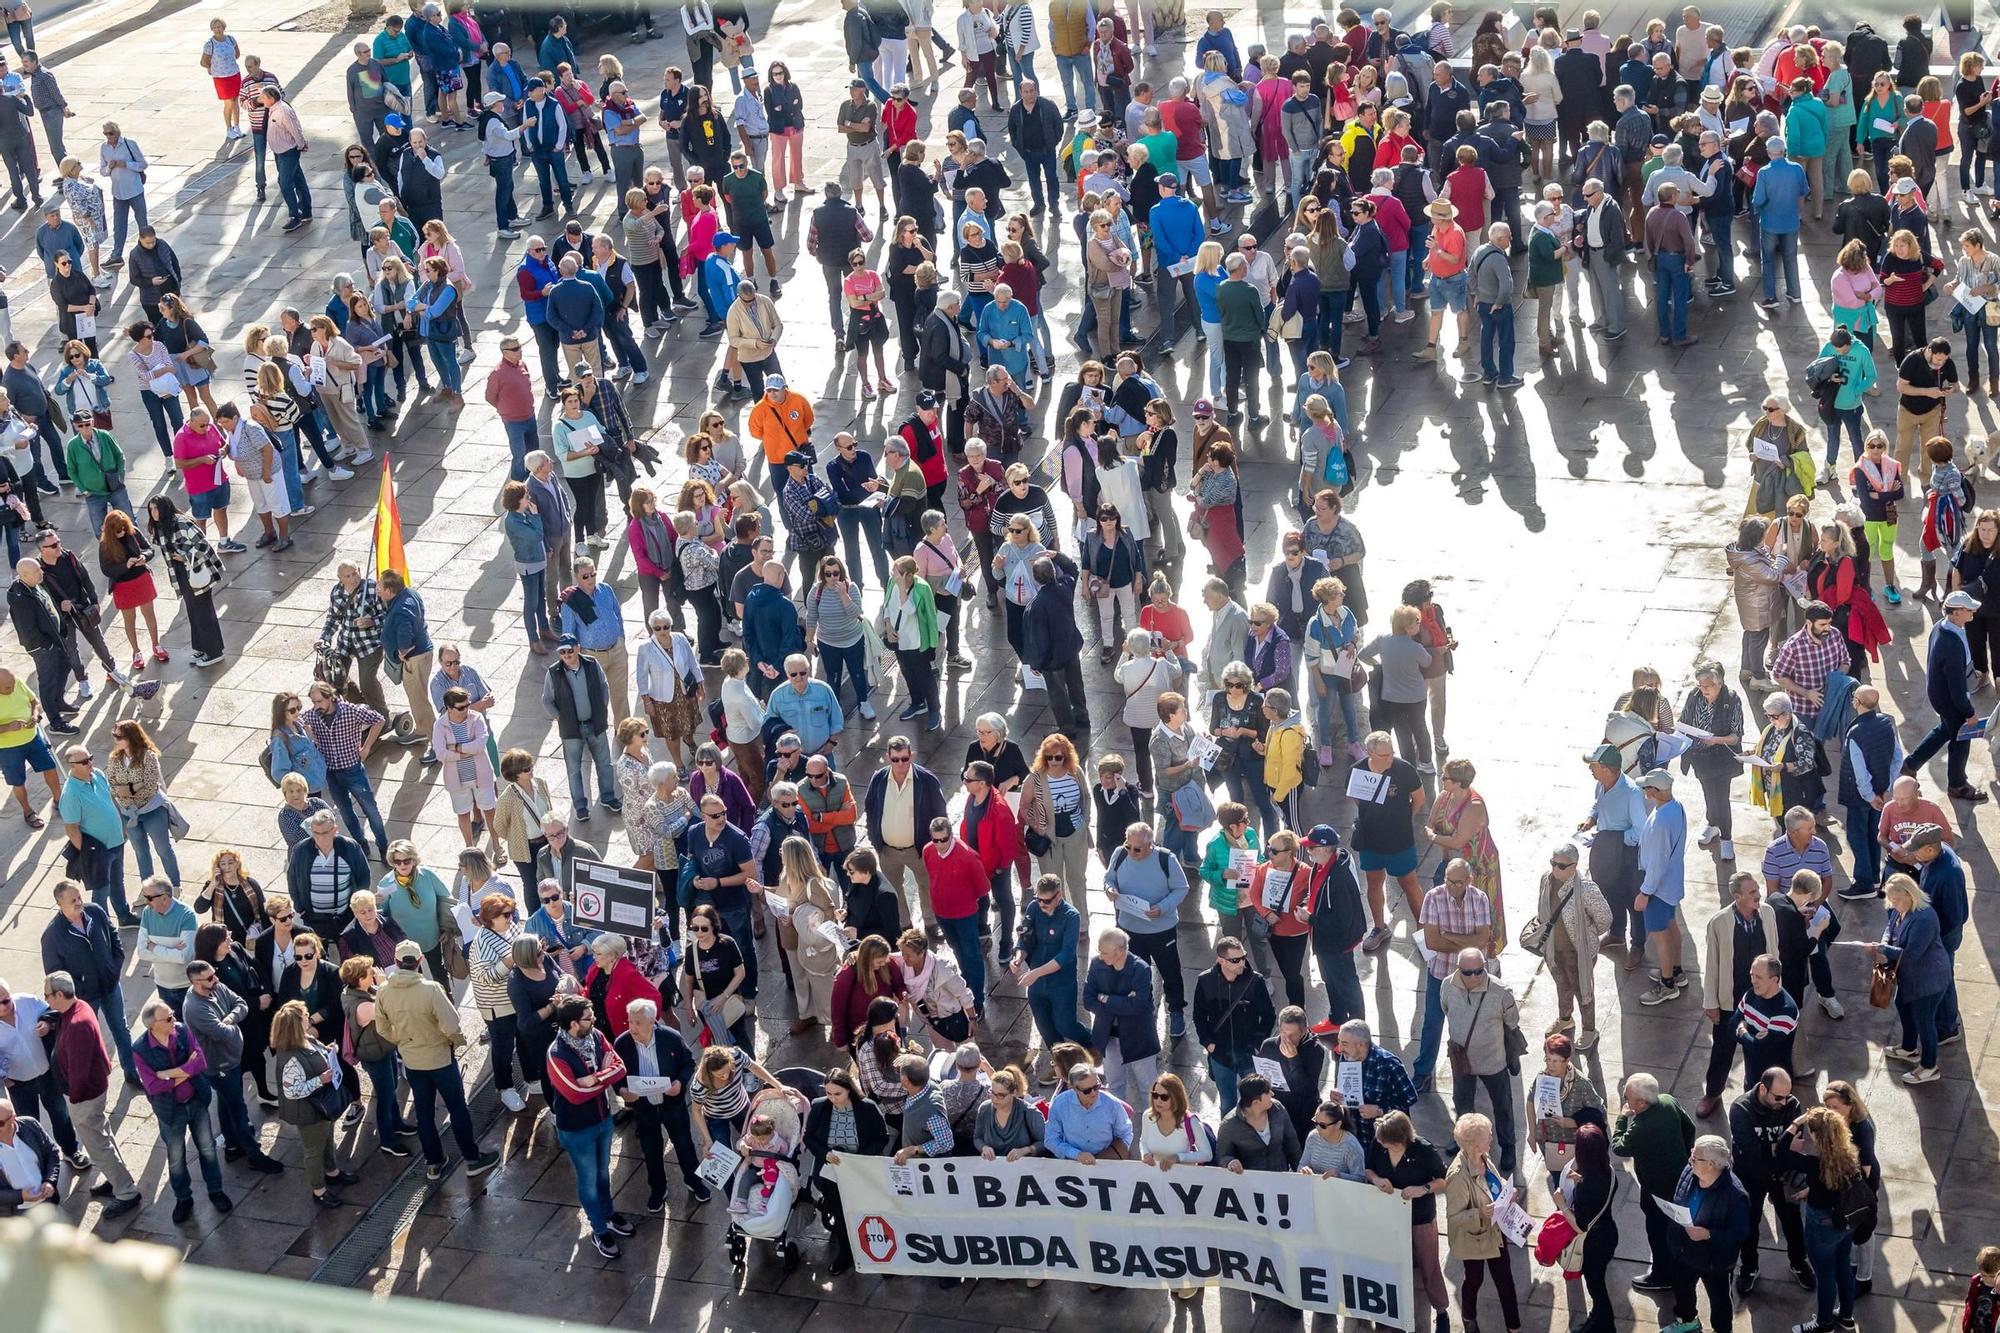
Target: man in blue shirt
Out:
[1617,814]
[1177,235]
[56,237]
[809,707]
[87,810]
[722,863]
[1050,934]
[1085,1124]
[719,281]
[1781,188]
[1146,886]
[1663,882]
[590,613]
[406,641]
[576,312]
[1947,682]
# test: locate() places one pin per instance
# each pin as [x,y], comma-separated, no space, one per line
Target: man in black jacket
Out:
[654,1050]
[75,596]
[1232,1016]
[81,941]
[944,365]
[837,230]
[1052,645]
[1034,127]
[1580,78]
[321,874]
[17,1131]
[48,639]
[1867,54]
[1504,166]
[1760,1133]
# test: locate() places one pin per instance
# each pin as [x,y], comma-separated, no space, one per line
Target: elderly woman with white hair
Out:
[1146,671]
[663,817]
[1712,707]
[1706,1248]
[614,981]
[1471,1187]
[1792,772]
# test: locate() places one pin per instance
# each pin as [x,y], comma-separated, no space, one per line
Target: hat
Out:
[493,99]
[1443,209]
[1904,186]
[1961,601]
[1711,94]
[582,370]
[723,238]
[798,458]
[774,384]
[1323,835]
[1088,120]
[1606,755]
[1657,780]
[1924,835]
[1326,1027]
[1573,35]
[856,83]
[566,641]
[1659,141]
[927,398]
[409,951]
[752,74]
[396,122]
[54,205]
[1167,180]
[1203,408]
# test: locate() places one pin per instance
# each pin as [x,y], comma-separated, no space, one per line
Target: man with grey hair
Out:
[1662,884]
[29,1079]
[1575,916]
[366,96]
[1777,201]
[1385,1082]
[557,860]
[1478,1011]
[1243,331]
[215,1015]
[1118,994]
[1493,296]
[1656,1134]
[926,1127]
[1086,1122]
[1674,247]
[1632,136]
[322,872]
[83,1069]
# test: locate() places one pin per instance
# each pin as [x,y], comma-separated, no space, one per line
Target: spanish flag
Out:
[388,541]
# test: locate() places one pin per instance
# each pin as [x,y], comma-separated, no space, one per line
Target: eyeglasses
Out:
[304,955]
[152,897]
[281,919]
[1554,864]
[713,814]
[1231,961]
[1472,971]
[1090,1091]
[800,675]
[84,762]
[899,759]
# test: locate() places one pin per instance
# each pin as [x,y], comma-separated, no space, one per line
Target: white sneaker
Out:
[868,712]
[1727,851]
[512,1100]
[1709,833]
[588,178]
[357,460]
[534,1089]
[1930,1075]
[83,691]
[1405,316]
[1832,1006]
[340,473]
[304,511]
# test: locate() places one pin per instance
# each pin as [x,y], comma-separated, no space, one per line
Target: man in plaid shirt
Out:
[1385,1084]
[1805,660]
[1456,915]
[345,733]
[352,635]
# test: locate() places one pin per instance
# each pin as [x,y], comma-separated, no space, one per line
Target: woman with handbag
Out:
[139,790]
[196,570]
[76,302]
[440,319]
[310,1075]
[83,387]
[1472,1186]
[1913,966]
[1979,272]
[340,369]
[395,295]
[1055,814]
[910,629]
[158,374]
[1589,1186]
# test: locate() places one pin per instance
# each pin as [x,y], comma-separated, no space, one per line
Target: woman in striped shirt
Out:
[492,960]
[723,1080]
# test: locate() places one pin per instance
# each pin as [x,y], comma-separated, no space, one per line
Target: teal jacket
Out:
[1806,127]
[1860,374]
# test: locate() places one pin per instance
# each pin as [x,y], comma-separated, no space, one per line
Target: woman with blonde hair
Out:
[340,395]
[909,625]
[1912,943]
[86,210]
[395,293]
[809,931]
[1842,1098]
[1055,814]
[1835,1184]
[1208,318]
[310,1077]
[1471,1186]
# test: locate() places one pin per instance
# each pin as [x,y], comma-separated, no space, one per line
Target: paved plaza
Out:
[1572,529]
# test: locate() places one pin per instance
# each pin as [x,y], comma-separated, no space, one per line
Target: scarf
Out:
[659,542]
[581,602]
[585,1050]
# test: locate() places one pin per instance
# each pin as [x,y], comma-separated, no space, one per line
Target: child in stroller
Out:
[766,1184]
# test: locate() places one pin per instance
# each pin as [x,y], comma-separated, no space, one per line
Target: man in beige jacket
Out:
[1477,1013]
[752,328]
[1734,937]
[418,1016]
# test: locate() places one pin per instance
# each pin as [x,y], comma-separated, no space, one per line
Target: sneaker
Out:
[1952,1039]
[509,234]
[512,1100]
[352,1115]
[913,711]
[1803,1275]
[1767,303]
[1585,1039]
[1659,993]
[700,1192]
[622,1226]
[221,1202]
[1427,768]
[303,511]
[339,473]
[1405,316]
[1709,833]
[1907,1054]
[1177,1026]
[230,546]
[183,1210]
[607,1245]
[1508,382]
[1376,937]
[867,712]
[1858,892]
[483,1163]
[656,1203]
[396,1148]
[83,692]
[434,1171]
[1746,1281]
[1652,1282]
[120,1207]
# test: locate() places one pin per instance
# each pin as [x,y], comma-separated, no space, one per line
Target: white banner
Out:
[1324,1245]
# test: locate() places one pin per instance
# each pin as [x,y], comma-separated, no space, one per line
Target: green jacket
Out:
[1242,311]
[1221,893]
[1658,1141]
[1544,269]
[87,472]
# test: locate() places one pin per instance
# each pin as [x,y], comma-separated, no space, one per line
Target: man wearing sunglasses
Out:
[809,707]
[1086,1122]
[903,798]
[1478,1011]
[96,833]
[1046,964]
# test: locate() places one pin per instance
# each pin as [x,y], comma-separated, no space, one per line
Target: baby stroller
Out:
[764,1194]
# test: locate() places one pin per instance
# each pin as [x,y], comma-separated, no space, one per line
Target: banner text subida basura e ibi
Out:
[1324,1245]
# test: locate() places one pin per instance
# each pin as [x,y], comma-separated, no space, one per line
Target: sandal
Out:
[159,653]
[138,662]
[35,820]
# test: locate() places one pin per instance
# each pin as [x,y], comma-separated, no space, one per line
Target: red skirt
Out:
[134,593]
[227,87]
[1223,539]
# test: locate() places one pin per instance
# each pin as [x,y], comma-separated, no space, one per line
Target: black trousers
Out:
[1790,1225]
[1065,686]
[653,305]
[657,1125]
[1721,1055]
[1239,365]
[1290,953]
[919,670]
[1721,1314]
[1163,950]
[1500,1091]
[836,301]
[52,670]
[42,1094]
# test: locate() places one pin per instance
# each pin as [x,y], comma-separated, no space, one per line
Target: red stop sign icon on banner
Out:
[878,1239]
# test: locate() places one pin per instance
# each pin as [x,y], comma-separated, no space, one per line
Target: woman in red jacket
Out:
[1835,577]
[988,827]
[873,972]
[613,982]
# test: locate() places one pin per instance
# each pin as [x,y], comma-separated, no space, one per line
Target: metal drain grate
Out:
[208,178]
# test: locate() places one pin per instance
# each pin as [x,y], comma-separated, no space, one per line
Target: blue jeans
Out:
[590,1154]
[444,358]
[1977,332]
[1772,246]
[353,796]
[389,1126]
[1074,70]
[1433,1029]
[554,177]
[1831,1250]
[535,614]
[1413,258]
[1042,166]
[505,212]
[1225,1083]
[292,186]
[375,394]
[851,661]
[522,439]
[151,833]
[288,462]
[426,1086]
[1333,319]
[232,1111]
[1211,330]
[597,746]
[1024,68]
[1395,280]
[1350,713]
[100,505]
[1173,837]
[107,883]
[962,934]
[177,1123]
[1052,1003]
[1719,228]
[1670,295]
[1496,341]
[111,1018]
[123,210]
[1849,417]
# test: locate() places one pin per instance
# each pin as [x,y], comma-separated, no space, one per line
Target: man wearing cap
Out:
[576,694]
[417,1015]
[1947,675]
[746,195]
[859,120]
[1580,79]
[782,421]
[716,284]
[548,139]
[1941,874]
[1617,818]
[809,512]
[1662,883]
[608,269]
[1177,235]
[753,327]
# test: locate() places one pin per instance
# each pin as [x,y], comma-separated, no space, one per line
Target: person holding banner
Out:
[1086,1122]
[843,1121]
[1118,993]
[1050,939]
[1477,1196]
[1257,1135]
[1399,1162]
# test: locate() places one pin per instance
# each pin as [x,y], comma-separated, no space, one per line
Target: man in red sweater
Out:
[958,882]
[511,392]
[83,1067]
[582,1071]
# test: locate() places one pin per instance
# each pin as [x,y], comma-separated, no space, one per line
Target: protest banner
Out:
[1330,1246]
[614,898]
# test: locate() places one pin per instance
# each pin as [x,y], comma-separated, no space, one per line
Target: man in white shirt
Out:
[28,1163]
[25,1072]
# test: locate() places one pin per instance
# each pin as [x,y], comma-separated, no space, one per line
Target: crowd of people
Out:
[1407,185]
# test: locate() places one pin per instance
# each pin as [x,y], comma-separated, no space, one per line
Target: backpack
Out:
[1856,1209]
[1309,769]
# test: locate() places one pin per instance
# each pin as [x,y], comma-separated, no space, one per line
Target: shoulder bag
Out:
[1571,1258]
[1535,935]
